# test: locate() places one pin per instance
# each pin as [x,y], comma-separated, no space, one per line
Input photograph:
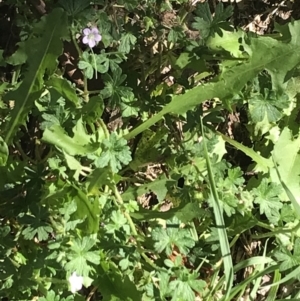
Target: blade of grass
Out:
[291,275]
[222,234]
[257,281]
[273,291]
[241,265]
[248,280]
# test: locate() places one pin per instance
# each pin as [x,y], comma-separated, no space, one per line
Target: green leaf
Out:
[228,41]
[269,105]
[149,139]
[3,152]
[172,236]
[182,289]
[36,224]
[113,87]
[184,212]
[128,105]
[115,152]
[263,164]
[175,34]
[42,59]
[218,214]
[266,195]
[21,55]
[102,62]
[159,186]
[208,24]
[87,64]
[115,285]
[235,74]
[74,7]
[51,296]
[80,255]
[289,260]
[41,231]
[287,158]
[127,40]
[189,60]
[73,164]
[64,88]
[87,210]
[79,144]
[117,222]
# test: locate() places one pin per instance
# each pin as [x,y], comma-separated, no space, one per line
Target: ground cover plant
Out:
[149,150]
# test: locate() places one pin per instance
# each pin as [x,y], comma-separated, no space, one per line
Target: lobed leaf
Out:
[42,59]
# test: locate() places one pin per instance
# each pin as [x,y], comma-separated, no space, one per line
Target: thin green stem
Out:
[95,64]
[85,86]
[276,231]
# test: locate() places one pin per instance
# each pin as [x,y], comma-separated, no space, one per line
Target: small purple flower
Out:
[91,36]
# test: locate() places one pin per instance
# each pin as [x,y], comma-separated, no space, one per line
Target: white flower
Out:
[91,36]
[75,282]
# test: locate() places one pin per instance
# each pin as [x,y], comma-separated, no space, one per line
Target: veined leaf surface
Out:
[42,59]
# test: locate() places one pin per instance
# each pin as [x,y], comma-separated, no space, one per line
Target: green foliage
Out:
[172,236]
[80,254]
[41,62]
[267,106]
[266,195]
[287,259]
[115,152]
[208,24]
[147,166]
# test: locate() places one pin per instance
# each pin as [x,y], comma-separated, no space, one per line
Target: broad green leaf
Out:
[79,144]
[73,164]
[142,155]
[266,195]
[21,55]
[184,212]
[263,164]
[287,158]
[64,88]
[160,187]
[115,285]
[87,210]
[97,179]
[287,258]
[102,62]
[182,288]
[229,41]
[262,53]
[127,41]
[51,296]
[269,106]
[74,7]
[42,59]
[3,152]
[172,236]
[115,152]
[81,256]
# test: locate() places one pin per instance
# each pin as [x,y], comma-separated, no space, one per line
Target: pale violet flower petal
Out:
[86,31]
[95,30]
[85,40]
[92,43]
[98,38]
[91,36]
[75,282]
